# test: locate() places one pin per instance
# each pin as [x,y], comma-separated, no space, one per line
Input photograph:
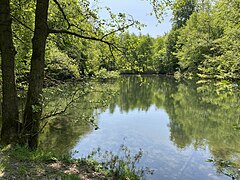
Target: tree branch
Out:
[110,48]
[41,129]
[63,110]
[65,17]
[63,31]
[63,13]
[119,29]
[25,44]
[24,25]
[67,31]
[54,31]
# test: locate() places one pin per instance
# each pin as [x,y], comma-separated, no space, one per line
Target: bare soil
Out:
[11,169]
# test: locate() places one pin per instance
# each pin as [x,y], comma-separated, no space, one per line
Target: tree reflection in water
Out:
[201,115]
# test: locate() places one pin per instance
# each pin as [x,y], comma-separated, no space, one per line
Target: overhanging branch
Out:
[63,31]
[94,38]
[55,113]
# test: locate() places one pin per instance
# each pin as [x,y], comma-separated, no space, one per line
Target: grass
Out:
[21,163]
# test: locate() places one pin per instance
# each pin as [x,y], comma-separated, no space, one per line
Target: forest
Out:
[45,43]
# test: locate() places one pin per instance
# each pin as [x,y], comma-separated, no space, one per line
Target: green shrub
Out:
[104,74]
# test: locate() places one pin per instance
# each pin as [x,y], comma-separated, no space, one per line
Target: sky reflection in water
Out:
[164,140]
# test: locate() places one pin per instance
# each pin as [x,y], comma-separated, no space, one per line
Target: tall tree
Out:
[9,105]
[171,64]
[223,62]
[182,10]
[33,109]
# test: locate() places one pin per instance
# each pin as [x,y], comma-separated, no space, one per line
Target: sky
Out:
[140,10]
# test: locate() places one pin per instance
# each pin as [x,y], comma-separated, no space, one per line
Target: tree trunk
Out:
[33,108]
[10,117]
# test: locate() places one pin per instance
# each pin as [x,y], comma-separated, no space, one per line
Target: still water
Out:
[178,125]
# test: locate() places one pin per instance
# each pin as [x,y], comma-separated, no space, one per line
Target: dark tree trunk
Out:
[10,117]
[33,108]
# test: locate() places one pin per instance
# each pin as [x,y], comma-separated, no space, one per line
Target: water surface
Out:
[178,125]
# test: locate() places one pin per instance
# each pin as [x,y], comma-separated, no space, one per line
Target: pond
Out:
[179,125]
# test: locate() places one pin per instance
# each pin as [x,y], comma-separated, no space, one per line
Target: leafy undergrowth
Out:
[20,163]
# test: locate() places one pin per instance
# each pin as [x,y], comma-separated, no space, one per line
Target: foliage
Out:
[159,55]
[204,40]
[137,55]
[171,63]
[70,110]
[122,165]
[208,44]
[182,10]
[195,41]
[227,168]
[224,63]
[74,18]
[59,65]
[104,74]
[22,25]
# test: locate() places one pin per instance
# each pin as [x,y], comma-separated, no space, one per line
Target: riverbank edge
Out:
[21,163]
